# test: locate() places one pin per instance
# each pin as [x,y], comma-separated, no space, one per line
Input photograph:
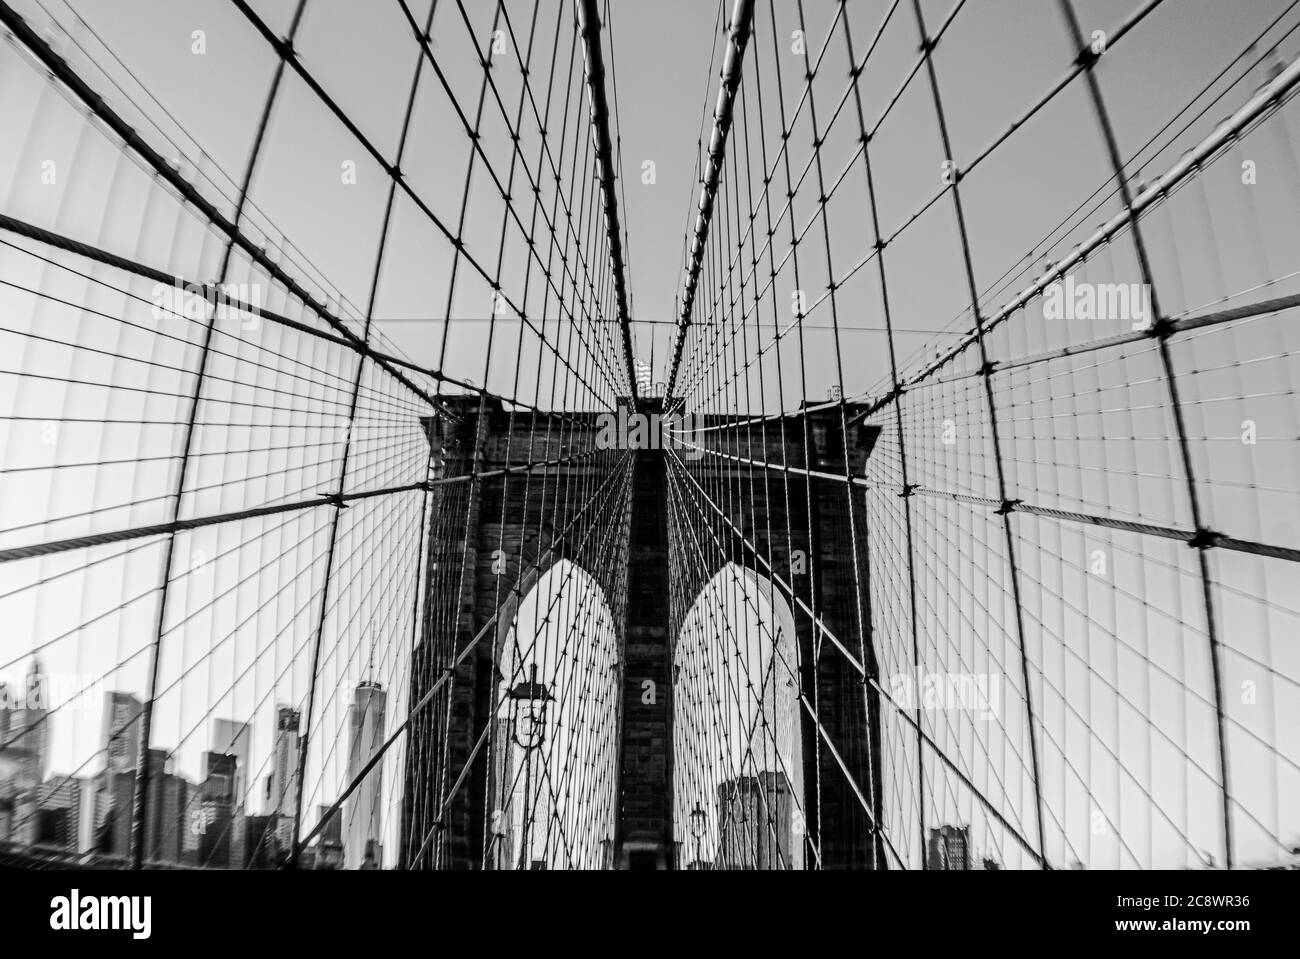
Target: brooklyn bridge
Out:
[578,434]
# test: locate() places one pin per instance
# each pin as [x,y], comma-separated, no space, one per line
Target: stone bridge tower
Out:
[493,536]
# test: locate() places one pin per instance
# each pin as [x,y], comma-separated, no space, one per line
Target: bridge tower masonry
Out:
[471,603]
[645,837]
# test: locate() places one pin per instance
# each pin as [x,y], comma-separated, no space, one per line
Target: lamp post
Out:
[533,697]
[498,835]
[697,829]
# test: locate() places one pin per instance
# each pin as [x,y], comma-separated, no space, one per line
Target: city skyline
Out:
[90,814]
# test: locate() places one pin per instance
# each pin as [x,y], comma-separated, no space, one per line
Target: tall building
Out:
[10,761]
[329,844]
[755,824]
[282,786]
[26,742]
[24,753]
[232,737]
[217,802]
[261,848]
[120,729]
[121,732]
[55,827]
[169,797]
[949,848]
[363,811]
[64,814]
[56,814]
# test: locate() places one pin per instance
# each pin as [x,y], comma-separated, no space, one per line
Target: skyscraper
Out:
[38,822]
[755,824]
[9,761]
[169,796]
[282,787]
[59,814]
[121,732]
[217,800]
[949,848]
[261,848]
[5,708]
[363,812]
[329,844]
[231,737]
[28,735]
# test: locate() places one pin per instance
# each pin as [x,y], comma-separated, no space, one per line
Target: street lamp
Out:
[533,696]
[698,817]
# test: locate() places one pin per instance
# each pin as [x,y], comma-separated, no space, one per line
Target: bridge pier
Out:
[491,539]
[645,830]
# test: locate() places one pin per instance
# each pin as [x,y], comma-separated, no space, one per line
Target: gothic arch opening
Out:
[737,744]
[554,742]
